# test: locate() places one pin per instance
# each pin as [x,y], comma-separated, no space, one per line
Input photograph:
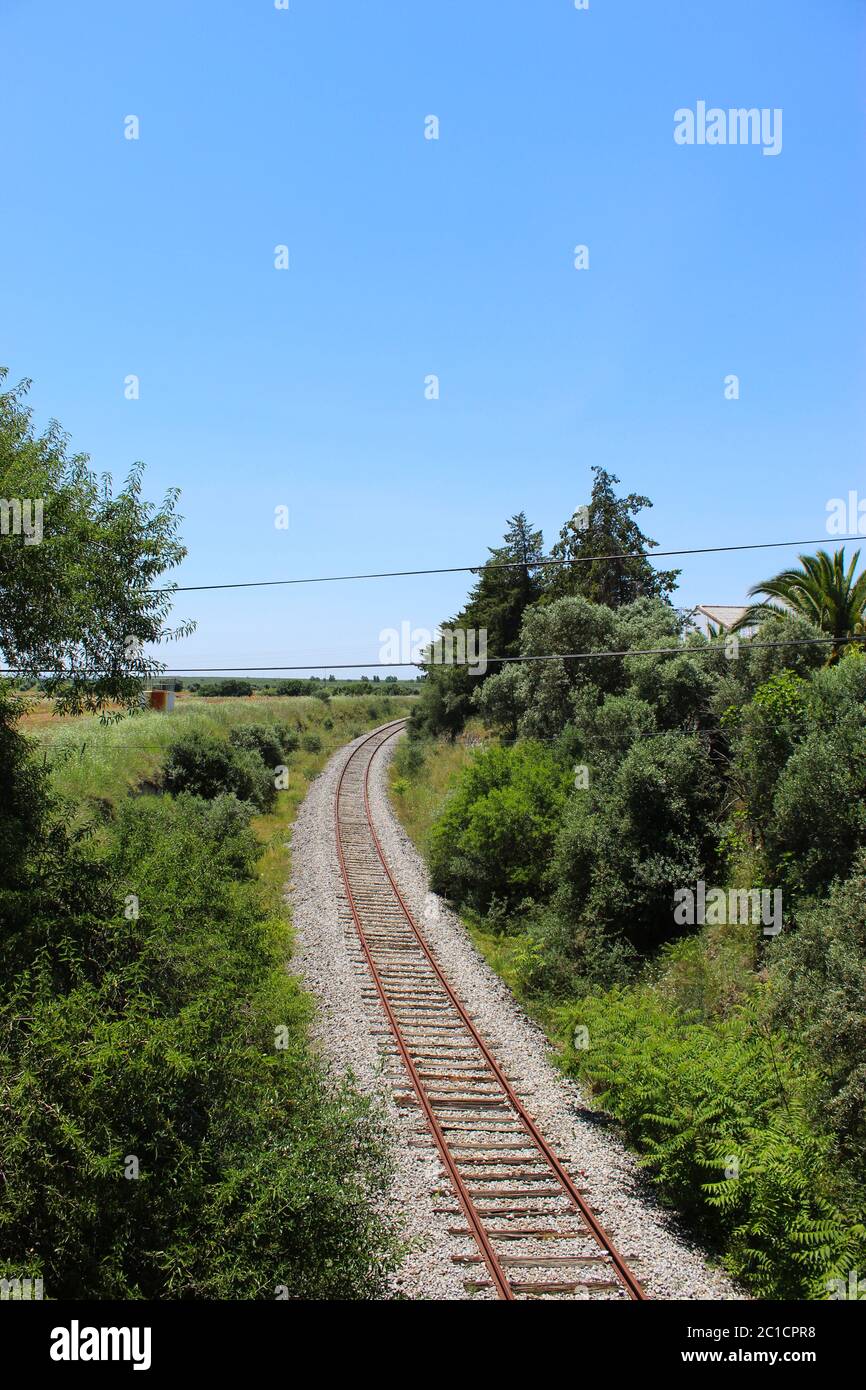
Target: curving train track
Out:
[535,1234]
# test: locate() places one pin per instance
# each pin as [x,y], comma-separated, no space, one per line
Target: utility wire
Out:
[404,665]
[499,564]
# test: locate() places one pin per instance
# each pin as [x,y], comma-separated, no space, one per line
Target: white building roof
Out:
[722,614]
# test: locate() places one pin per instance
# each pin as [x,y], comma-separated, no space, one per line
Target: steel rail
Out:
[474,1217]
[497,1274]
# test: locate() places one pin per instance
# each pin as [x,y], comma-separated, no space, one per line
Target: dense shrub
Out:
[497,829]
[50,888]
[632,838]
[547,688]
[446,700]
[606,727]
[500,701]
[311,743]
[800,765]
[208,767]
[647,622]
[289,739]
[561,960]
[268,740]
[783,643]
[817,979]
[819,812]
[541,698]
[676,688]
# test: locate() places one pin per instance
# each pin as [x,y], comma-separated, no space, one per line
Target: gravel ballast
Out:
[349,1031]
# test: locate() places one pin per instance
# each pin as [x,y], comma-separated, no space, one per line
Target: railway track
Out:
[535,1234]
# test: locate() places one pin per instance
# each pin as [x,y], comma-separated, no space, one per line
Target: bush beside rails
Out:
[719,1113]
[602,788]
[166,1130]
[247,765]
[496,832]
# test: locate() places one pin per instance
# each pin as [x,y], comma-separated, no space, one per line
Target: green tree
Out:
[500,701]
[84,601]
[605,551]
[818,817]
[764,734]
[541,698]
[638,832]
[508,584]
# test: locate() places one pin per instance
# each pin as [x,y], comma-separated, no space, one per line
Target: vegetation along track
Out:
[535,1233]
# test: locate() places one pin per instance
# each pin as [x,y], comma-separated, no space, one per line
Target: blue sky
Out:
[305,387]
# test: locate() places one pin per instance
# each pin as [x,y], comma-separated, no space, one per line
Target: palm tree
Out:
[823,591]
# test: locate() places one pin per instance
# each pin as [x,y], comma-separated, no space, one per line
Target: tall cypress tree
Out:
[603,528]
[506,585]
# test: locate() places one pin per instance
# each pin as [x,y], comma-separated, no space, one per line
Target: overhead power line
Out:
[681,650]
[545,563]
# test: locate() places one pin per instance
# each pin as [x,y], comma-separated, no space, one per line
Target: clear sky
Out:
[306,388]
